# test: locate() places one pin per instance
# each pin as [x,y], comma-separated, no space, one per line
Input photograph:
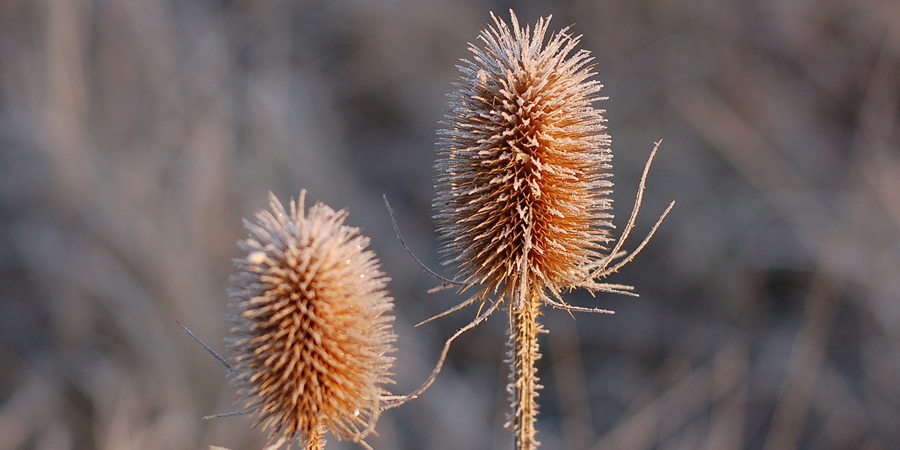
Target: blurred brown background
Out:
[135,135]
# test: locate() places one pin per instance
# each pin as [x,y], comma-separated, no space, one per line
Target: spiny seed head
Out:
[523,165]
[311,324]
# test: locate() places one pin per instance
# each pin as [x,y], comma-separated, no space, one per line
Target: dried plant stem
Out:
[523,337]
[315,441]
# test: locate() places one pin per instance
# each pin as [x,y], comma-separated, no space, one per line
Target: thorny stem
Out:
[523,386]
[316,442]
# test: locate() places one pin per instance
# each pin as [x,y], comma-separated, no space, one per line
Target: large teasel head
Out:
[523,164]
[312,328]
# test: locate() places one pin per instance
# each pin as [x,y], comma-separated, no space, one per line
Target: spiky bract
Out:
[523,196]
[311,324]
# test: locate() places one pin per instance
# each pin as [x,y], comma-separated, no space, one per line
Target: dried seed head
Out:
[523,191]
[311,324]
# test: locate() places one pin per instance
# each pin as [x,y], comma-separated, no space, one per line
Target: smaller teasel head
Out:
[311,325]
[523,164]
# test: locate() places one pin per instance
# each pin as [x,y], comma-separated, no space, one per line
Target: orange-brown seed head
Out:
[523,164]
[311,324]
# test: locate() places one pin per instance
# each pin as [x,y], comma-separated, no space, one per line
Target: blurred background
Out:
[135,135]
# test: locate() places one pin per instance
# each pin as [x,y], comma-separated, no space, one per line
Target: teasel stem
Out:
[315,440]
[523,387]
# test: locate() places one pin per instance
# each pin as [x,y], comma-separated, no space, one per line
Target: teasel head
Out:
[523,191]
[312,328]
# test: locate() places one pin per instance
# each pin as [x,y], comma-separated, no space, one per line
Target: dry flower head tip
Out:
[523,191]
[312,328]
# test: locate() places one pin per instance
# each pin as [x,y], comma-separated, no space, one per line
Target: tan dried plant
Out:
[312,329]
[523,192]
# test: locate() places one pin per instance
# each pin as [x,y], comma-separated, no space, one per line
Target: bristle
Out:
[311,324]
[523,164]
